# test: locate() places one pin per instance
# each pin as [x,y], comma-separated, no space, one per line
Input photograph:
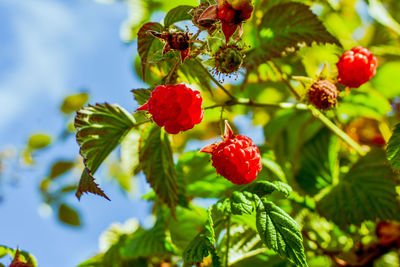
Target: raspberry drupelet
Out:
[176,107]
[236,158]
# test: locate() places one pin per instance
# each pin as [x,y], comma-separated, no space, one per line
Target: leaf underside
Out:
[100,128]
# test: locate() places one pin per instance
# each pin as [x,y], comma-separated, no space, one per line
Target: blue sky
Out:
[49,49]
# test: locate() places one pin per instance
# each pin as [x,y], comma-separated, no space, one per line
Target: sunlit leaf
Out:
[60,167]
[73,103]
[280,232]
[68,215]
[158,166]
[393,149]
[100,129]
[38,141]
[141,95]
[145,41]
[285,27]
[366,192]
[177,14]
[318,164]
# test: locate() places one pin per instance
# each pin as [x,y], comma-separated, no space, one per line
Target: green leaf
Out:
[60,167]
[387,79]
[191,222]
[141,95]
[194,169]
[156,161]
[145,243]
[192,71]
[393,149]
[38,141]
[263,188]
[284,28]
[280,232]
[366,192]
[377,11]
[177,14]
[73,103]
[100,129]
[214,44]
[364,104]
[23,255]
[203,245]
[145,41]
[319,162]
[68,215]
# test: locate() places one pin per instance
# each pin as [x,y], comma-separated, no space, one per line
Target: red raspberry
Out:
[176,107]
[323,94]
[356,67]
[236,158]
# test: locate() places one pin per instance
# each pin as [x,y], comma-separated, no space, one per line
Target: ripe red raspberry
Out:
[323,94]
[356,67]
[236,158]
[176,107]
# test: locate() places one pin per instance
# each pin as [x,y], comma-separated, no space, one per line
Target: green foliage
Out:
[100,129]
[393,149]
[145,42]
[141,95]
[60,167]
[24,256]
[74,102]
[68,215]
[158,166]
[38,141]
[319,162]
[177,14]
[284,27]
[203,245]
[366,192]
[280,232]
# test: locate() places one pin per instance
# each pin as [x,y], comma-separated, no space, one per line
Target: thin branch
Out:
[250,254]
[172,71]
[217,83]
[251,103]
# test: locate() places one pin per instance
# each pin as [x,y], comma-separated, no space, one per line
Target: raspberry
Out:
[228,59]
[323,94]
[356,67]
[236,158]
[176,107]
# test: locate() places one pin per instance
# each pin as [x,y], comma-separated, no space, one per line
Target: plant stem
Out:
[172,71]
[251,103]
[336,130]
[217,83]
[250,254]
[228,237]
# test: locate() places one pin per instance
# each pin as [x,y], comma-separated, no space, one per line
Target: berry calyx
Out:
[175,40]
[175,107]
[17,262]
[356,67]
[236,158]
[228,59]
[323,94]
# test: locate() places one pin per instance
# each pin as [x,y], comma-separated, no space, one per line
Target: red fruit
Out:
[176,107]
[356,67]
[236,158]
